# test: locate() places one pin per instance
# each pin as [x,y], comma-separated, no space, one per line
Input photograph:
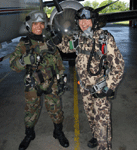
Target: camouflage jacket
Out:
[114,58]
[50,61]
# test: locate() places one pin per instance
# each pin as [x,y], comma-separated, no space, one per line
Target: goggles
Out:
[85,14]
[38,17]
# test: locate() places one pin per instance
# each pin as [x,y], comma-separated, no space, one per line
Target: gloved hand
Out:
[57,38]
[110,94]
[46,33]
[61,85]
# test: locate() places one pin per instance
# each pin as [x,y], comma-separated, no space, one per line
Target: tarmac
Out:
[124,107]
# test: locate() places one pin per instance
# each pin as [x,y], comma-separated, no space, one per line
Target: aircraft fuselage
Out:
[12,15]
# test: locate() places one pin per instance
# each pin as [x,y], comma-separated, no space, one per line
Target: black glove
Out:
[110,94]
[57,38]
[61,85]
[100,95]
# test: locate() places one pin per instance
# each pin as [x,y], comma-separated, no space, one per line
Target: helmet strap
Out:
[27,26]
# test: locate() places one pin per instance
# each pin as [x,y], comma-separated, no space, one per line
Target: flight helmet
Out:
[36,16]
[87,13]
[90,13]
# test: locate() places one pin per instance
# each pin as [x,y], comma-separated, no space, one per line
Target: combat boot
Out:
[92,143]
[58,134]
[30,135]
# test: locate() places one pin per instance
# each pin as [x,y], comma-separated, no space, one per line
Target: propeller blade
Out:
[58,6]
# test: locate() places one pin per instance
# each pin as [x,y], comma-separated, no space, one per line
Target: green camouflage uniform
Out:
[50,65]
[98,110]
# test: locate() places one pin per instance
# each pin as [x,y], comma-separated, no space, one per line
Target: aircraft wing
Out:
[118,16]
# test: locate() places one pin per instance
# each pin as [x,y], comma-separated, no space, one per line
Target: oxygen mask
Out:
[88,33]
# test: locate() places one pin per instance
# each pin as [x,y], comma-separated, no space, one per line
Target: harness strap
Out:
[83,52]
[89,61]
[40,76]
[27,42]
[39,91]
[102,52]
[49,90]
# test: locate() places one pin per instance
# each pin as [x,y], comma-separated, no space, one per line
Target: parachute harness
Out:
[30,81]
[103,64]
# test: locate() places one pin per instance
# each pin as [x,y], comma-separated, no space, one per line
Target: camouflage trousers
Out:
[33,106]
[98,112]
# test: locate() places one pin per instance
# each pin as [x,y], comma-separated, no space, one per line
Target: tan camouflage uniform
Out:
[98,110]
[33,102]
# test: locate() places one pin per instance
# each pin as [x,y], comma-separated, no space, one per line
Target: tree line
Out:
[116,7]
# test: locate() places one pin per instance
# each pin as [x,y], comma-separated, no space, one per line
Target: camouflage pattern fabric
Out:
[114,58]
[33,106]
[51,61]
[98,112]
[97,109]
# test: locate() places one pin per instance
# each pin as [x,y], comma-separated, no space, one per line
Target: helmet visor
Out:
[85,14]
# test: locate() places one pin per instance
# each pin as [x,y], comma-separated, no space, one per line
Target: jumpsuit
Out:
[98,110]
[49,67]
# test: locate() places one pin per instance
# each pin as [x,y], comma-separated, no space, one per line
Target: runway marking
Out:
[76,114]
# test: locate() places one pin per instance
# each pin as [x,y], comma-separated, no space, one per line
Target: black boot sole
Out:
[24,148]
[56,137]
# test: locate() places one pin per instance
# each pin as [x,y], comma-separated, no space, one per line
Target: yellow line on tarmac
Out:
[76,114]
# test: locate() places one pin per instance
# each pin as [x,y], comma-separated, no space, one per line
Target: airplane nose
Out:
[65,21]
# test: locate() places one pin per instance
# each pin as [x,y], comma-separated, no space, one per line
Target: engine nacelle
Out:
[65,21]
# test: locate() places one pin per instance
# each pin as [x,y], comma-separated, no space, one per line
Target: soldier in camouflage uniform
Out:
[100,67]
[44,74]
